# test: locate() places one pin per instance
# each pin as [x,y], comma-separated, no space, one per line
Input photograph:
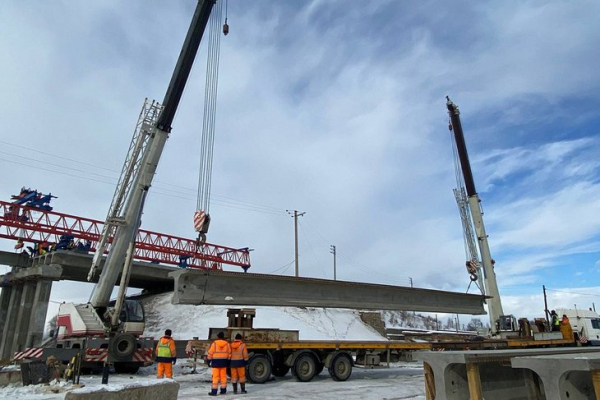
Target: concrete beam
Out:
[497,378]
[564,375]
[14,259]
[236,288]
[75,267]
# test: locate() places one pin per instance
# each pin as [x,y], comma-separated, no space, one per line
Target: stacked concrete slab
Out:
[548,373]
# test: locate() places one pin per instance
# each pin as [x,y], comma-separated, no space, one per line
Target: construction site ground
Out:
[400,381]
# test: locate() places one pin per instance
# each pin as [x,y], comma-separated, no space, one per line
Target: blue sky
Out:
[336,108]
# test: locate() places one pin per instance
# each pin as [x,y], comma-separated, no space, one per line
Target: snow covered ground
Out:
[188,321]
[402,381]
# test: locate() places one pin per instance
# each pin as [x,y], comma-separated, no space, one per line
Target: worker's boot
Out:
[223,390]
[213,392]
[234,387]
[243,387]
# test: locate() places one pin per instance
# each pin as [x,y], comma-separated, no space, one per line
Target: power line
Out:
[311,247]
[571,292]
[228,202]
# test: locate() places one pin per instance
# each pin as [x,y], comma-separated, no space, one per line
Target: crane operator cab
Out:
[132,317]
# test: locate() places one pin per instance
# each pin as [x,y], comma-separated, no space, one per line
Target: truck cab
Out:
[585,324]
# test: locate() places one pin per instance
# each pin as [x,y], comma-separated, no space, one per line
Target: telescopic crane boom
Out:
[490,284]
[138,172]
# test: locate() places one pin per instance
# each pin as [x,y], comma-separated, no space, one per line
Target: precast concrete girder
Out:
[75,267]
[237,289]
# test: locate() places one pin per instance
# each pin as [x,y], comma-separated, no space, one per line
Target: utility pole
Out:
[295,215]
[334,254]
[546,306]
[411,282]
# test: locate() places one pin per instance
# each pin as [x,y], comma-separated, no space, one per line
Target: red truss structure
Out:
[31,224]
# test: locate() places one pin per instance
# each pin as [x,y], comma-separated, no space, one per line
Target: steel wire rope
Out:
[210,104]
[473,253]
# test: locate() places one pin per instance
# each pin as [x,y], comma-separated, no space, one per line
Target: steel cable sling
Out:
[202,216]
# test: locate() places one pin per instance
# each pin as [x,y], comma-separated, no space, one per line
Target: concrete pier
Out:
[6,344]
[23,307]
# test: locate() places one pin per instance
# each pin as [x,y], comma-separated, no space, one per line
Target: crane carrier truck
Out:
[107,332]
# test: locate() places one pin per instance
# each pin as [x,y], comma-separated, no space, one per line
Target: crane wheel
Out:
[122,346]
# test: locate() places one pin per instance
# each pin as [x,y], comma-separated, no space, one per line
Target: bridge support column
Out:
[4,303]
[22,325]
[6,343]
[37,321]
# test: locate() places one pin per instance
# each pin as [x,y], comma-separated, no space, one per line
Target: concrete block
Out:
[155,390]
[498,379]
[8,377]
[34,372]
[564,376]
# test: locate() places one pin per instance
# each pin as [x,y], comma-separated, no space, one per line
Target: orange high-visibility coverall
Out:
[219,354]
[165,357]
[239,358]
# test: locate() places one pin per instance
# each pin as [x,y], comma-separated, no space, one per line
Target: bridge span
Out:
[26,292]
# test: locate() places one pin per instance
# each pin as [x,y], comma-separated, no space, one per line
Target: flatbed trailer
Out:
[277,352]
[308,358]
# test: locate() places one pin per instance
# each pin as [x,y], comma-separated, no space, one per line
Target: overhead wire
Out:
[310,245]
[572,292]
[351,262]
[185,193]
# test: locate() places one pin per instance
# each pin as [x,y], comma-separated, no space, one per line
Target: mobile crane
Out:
[472,216]
[111,333]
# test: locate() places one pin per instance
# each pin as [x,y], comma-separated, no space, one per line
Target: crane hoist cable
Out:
[473,265]
[202,216]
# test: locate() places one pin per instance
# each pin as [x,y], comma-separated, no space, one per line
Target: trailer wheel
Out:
[305,368]
[341,367]
[319,369]
[280,370]
[122,346]
[259,369]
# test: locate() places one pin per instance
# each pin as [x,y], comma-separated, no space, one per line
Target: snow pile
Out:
[55,389]
[187,321]
[121,386]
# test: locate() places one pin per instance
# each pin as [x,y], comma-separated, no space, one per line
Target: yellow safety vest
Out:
[164,349]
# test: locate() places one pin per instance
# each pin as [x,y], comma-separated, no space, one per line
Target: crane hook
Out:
[225,28]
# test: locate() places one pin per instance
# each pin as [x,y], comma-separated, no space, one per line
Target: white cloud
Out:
[333,110]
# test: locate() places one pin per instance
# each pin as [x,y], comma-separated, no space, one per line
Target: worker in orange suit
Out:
[218,356]
[166,356]
[566,329]
[239,359]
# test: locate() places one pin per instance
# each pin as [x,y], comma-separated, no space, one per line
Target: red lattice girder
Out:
[38,226]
